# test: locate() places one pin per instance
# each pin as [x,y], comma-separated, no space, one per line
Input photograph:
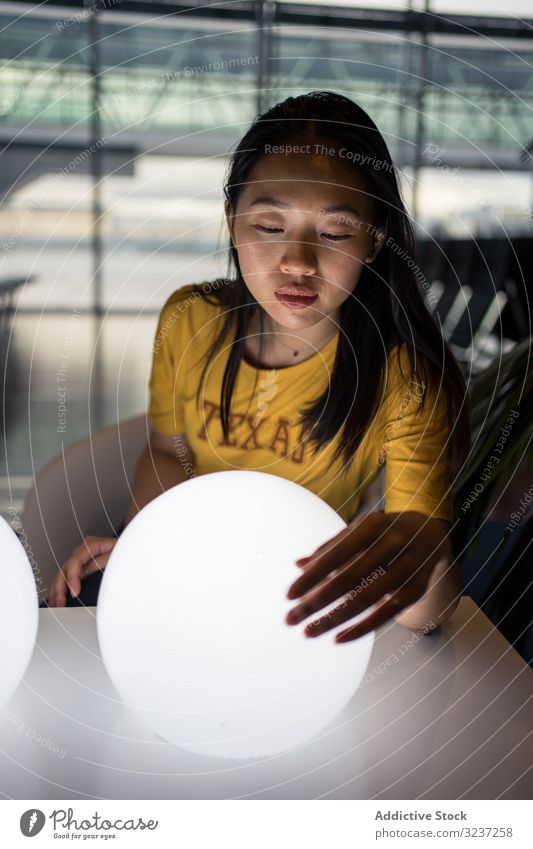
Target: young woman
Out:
[316,359]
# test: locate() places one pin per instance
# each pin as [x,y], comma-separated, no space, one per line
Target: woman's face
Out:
[304,225]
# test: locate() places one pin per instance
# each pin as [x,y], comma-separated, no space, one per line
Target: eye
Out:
[267,229]
[335,238]
[331,236]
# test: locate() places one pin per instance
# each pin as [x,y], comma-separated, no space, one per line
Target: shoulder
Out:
[399,372]
[191,295]
[409,385]
[187,310]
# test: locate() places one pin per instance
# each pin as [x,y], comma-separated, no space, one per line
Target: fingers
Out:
[92,555]
[57,595]
[342,613]
[400,582]
[94,546]
[72,576]
[340,571]
[349,579]
[97,564]
[358,601]
[396,600]
[77,574]
[340,549]
[381,614]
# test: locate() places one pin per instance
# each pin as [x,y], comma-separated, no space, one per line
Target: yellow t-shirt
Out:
[264,434]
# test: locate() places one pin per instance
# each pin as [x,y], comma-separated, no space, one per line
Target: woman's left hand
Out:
[383,559]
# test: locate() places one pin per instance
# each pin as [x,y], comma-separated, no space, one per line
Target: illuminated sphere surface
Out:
[191,614]
[19,612]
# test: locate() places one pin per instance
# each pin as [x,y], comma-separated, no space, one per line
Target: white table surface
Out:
[451,718]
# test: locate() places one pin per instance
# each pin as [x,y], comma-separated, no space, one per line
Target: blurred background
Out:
[116,120]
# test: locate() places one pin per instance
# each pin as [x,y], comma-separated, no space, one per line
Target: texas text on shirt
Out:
[264,433]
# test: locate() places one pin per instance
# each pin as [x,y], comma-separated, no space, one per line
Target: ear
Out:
[379,234]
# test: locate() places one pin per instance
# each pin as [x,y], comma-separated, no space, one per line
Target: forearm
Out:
[155,473]
[442,596]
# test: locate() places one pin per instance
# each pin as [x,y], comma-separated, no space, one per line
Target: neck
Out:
[282,346]
[311,337]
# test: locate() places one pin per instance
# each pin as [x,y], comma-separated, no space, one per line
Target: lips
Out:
[296,291]
[296,302]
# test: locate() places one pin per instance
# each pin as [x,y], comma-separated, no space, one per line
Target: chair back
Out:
[82,491]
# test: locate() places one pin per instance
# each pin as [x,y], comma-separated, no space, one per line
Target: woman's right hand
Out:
[91,556]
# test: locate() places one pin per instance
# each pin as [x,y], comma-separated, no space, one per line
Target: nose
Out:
[298,257]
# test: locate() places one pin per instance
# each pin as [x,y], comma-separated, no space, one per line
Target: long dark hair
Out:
[386,307]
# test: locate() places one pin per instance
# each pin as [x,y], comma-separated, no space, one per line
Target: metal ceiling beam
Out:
[398,20]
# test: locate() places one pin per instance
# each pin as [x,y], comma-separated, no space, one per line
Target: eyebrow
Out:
[274,202]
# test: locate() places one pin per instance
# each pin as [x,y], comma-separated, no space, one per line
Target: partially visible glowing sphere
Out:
[19,612]
[191,617]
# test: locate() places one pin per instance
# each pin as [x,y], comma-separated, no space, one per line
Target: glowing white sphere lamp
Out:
[19,612]
[191,618]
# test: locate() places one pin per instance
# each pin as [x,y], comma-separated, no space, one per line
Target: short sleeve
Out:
[166,408]
[415,449]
